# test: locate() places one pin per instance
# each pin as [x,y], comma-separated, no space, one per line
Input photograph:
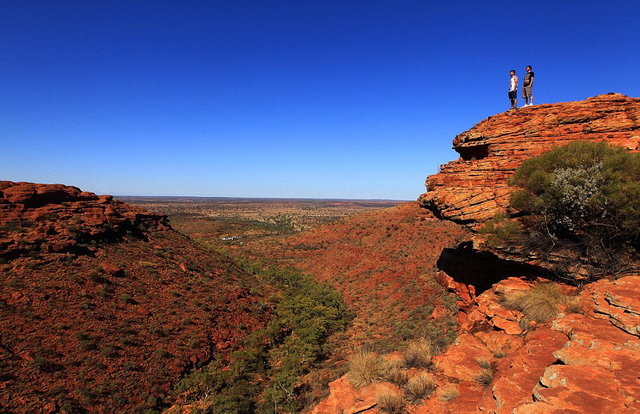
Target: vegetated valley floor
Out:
[381,255]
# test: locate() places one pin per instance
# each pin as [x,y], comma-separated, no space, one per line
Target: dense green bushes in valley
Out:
[264,376]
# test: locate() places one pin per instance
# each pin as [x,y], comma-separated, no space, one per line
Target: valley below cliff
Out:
[106,306]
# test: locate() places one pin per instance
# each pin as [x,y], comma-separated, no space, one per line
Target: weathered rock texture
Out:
[475,187]
[586,362]
[57,218]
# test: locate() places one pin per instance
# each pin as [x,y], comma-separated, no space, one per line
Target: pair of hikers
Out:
[526,88]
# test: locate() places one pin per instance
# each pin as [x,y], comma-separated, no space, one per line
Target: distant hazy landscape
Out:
[241,219]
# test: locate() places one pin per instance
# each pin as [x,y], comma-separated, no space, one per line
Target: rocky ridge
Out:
[475,187]
[103,307]
[585,359]
[56,218]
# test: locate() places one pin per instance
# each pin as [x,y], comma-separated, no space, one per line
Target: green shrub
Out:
[584,196]
[500,230]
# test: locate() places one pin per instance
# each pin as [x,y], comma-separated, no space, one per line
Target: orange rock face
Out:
[475,187]
[55,218]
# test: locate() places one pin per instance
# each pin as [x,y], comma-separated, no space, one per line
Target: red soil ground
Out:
[111,325]
[382,262]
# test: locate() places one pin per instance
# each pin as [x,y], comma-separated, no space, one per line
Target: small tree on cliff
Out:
[583,197]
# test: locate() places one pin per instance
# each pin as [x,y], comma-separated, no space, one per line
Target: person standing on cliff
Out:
[513,89]
[526,87]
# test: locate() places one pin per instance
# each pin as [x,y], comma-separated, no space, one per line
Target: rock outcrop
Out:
[475,187]
[586,359]
[103,308]
[57,218]
[584,362]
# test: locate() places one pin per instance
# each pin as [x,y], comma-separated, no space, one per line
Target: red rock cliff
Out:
[56,218]
[475,187]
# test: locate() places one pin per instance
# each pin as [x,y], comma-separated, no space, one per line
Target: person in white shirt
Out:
[513,89]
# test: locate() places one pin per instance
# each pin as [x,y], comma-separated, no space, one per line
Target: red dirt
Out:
[112,320]
[382,262]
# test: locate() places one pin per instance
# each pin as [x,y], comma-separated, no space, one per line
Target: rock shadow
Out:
[483,269]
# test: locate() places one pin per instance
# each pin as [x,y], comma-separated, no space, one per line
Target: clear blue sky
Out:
[342,99]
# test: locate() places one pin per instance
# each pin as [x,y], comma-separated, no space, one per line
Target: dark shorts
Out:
[513,95]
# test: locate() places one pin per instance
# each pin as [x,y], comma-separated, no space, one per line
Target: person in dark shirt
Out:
[526,87]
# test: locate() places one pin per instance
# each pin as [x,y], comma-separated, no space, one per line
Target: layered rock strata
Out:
[475,187]
[584,362]
[55,218]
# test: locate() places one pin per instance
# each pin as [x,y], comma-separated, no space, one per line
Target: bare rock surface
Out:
[475,187]
[56,218]
[583,362]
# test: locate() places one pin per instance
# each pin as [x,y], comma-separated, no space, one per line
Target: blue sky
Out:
[326,99]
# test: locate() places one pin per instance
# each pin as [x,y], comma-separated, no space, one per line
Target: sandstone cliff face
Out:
[57,218]
[474,188]
[584,361]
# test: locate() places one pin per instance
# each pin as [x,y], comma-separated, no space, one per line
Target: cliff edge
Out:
[475,187]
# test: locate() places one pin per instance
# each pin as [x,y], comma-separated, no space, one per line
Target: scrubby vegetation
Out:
[391,402]
[395,373]
[541,302]
[365,368]
[420,386]
[265,375]
[501,230]
[583,198]
[418,354]
[450,392]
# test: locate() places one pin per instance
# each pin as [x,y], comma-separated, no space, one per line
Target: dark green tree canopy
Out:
[585,194]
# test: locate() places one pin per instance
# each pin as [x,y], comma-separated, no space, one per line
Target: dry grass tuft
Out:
[484,362]
[450,392]
[418,354]
[540,303]
[391,402]
[365,368]
[573,305]
[485,377]
[420,386]
[394,373]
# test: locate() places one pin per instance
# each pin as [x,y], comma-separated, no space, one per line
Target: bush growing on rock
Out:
[365,368]
[390,402]
[418,354]
[451,392]
[420,386]
[540,303]
[584,197]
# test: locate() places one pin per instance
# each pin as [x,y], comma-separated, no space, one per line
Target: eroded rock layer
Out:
[56,218]
[475,187]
